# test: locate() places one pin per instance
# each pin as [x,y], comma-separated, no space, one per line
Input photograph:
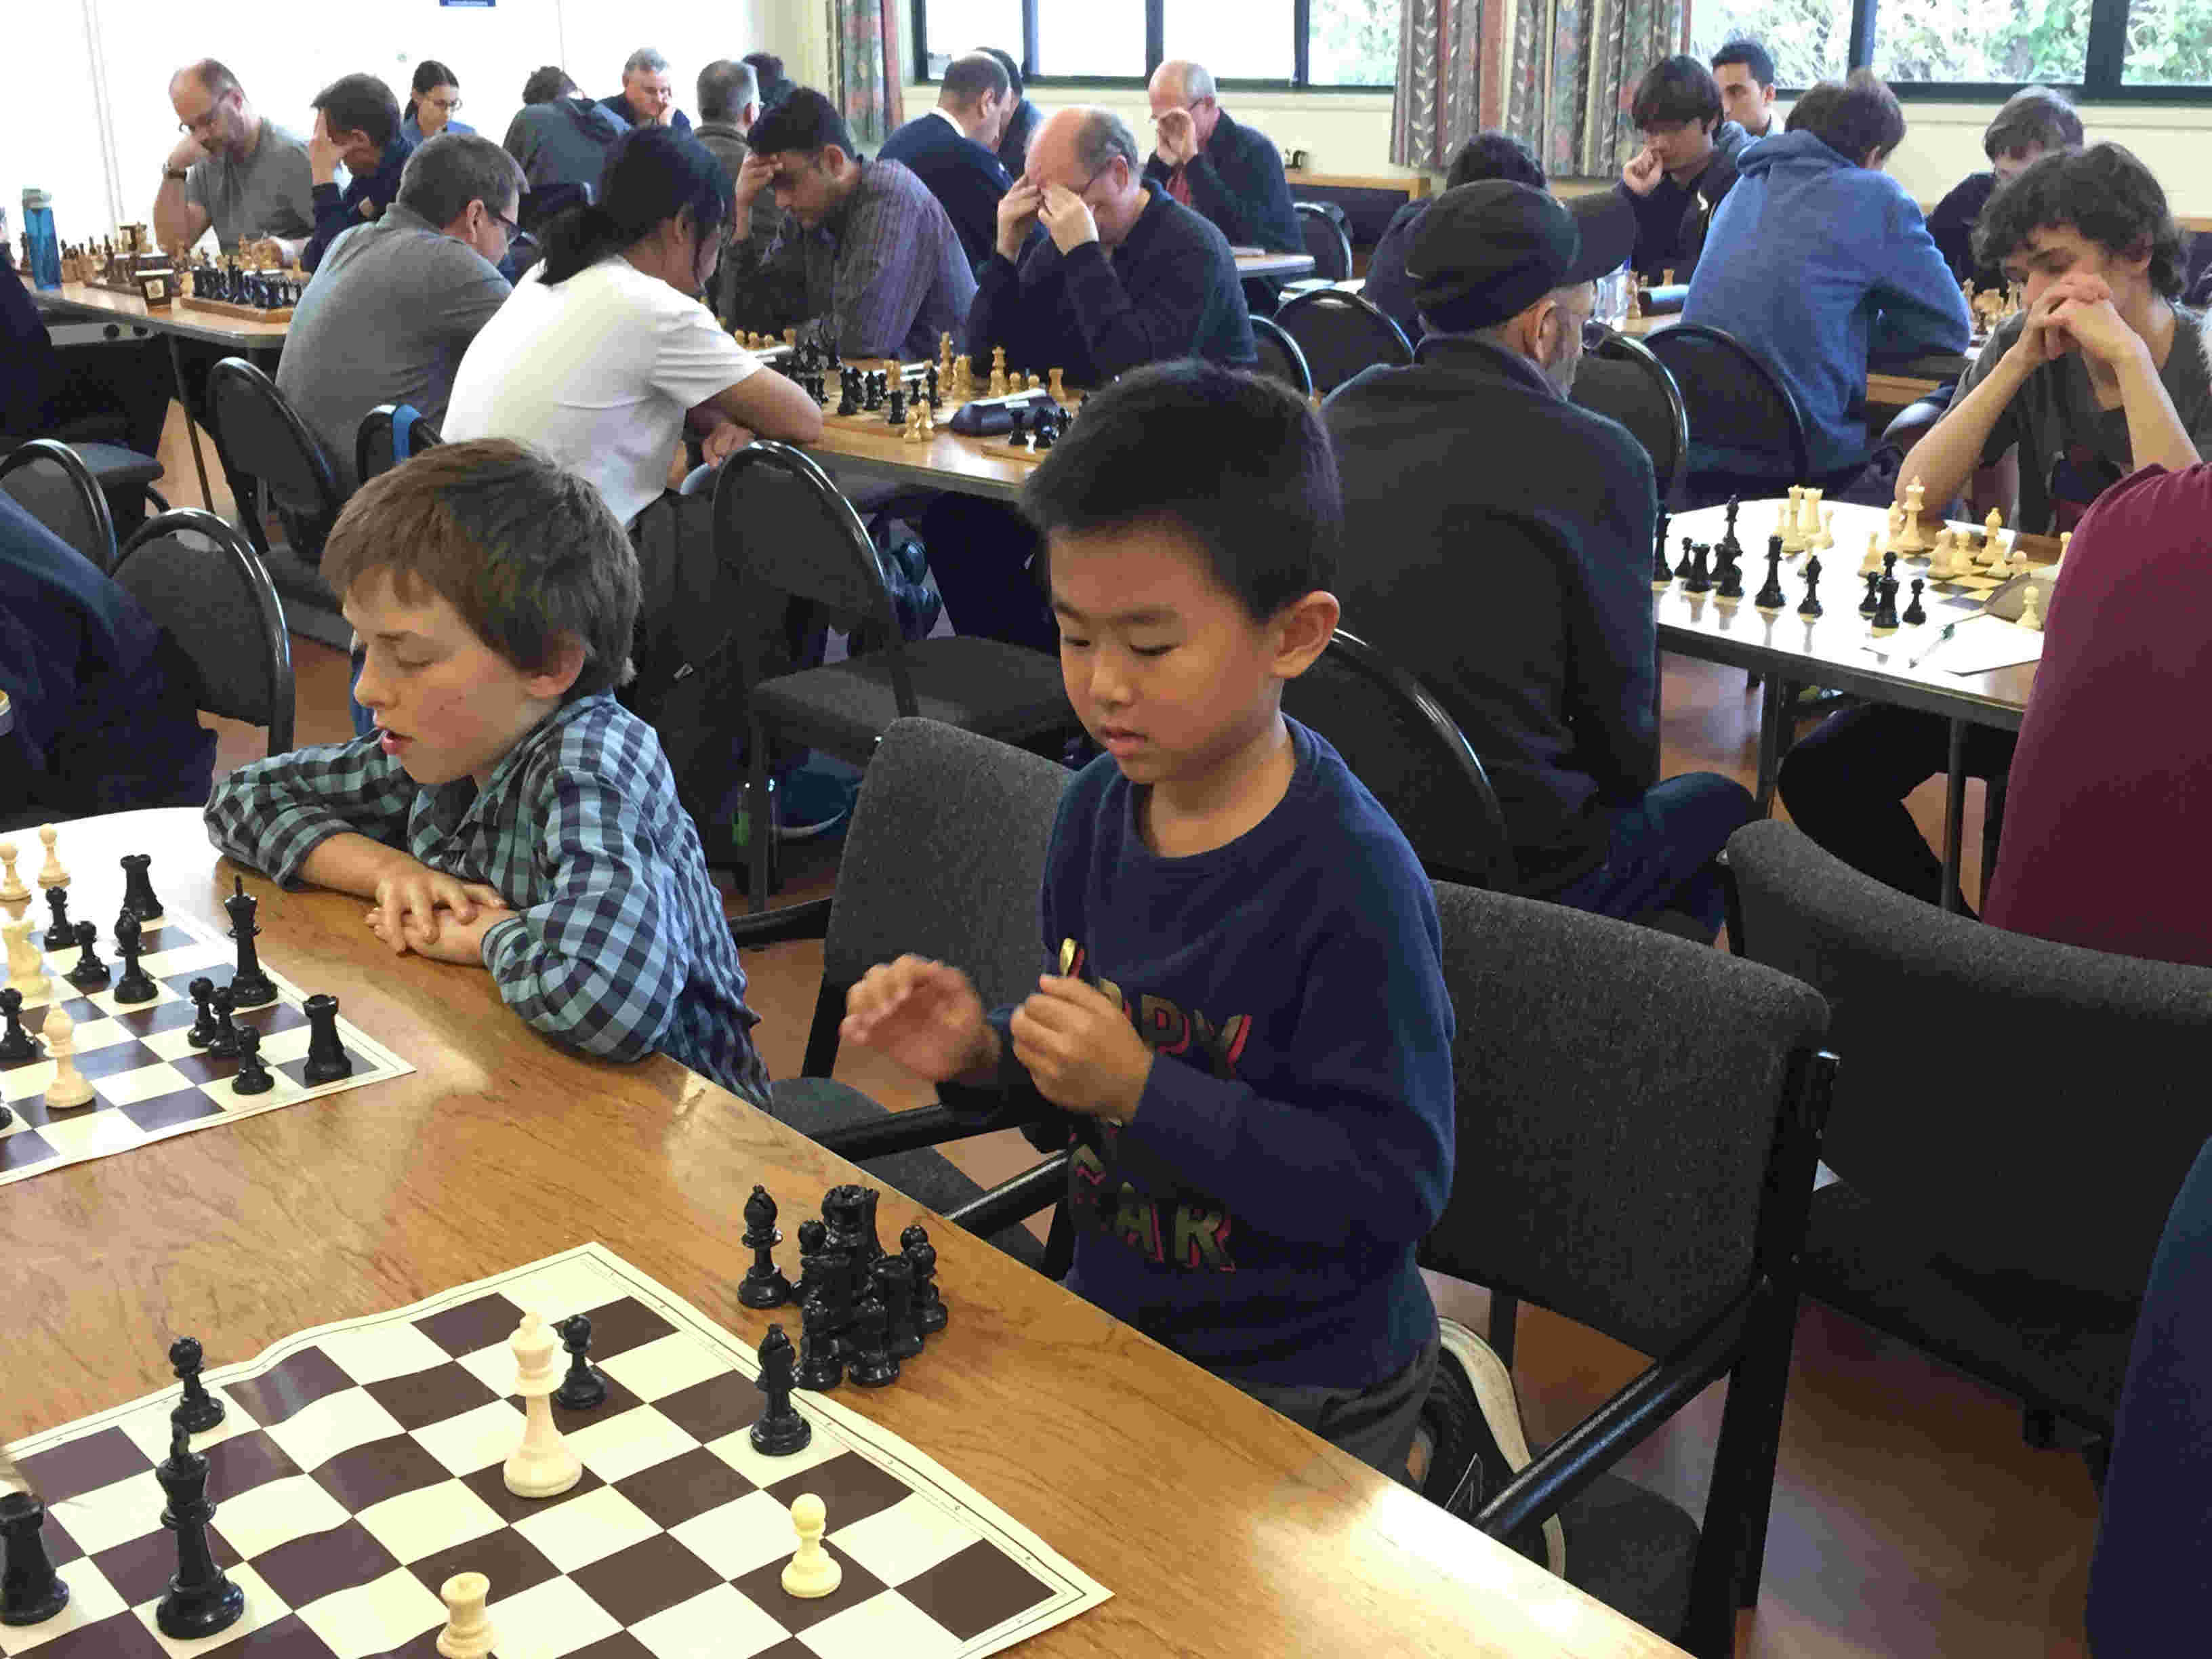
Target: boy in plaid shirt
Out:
[507,811]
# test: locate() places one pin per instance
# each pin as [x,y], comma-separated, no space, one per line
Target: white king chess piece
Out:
[542,1466]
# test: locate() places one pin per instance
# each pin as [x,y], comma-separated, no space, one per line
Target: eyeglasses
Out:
[448,105]
[514,231]
[202,123]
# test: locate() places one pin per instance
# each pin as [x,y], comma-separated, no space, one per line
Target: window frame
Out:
[1155,53]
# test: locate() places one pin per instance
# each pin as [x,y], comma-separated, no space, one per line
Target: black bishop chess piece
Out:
[892,1278]
[61,934]
[1872,603]
[872,1364]
[252,1076]
[90,972]
[585,1387]
[202,1600]
[1810,606]
[16,1044]
[196,1411]
[1699,580]
[1771,597]
[1660,575]
[1728,533]
[1916,613]
[222,1043]
[779,1430]
[138,899]
[134,984]
[1885,613]
[764,1284]
[930,1314]
[1689,559]
[249,987]
[31,1591]
[327,1059]
[819,1366]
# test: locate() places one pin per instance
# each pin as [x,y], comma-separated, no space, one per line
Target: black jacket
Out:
[1951,222]
[961,174]
[1014,143]
[1670,222]
[1501,551]
[617,105]
[1236,180]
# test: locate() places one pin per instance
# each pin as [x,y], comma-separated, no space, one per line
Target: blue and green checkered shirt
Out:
[619,946]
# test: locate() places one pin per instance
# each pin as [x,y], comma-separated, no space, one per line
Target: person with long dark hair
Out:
[432,98]
[605,352]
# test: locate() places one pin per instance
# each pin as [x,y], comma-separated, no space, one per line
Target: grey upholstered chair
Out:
[945,857]
[1638,1124]
[51,483]
[2013,1122]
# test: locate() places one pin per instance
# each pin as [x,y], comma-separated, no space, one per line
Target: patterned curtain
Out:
[1556,73]
[866,74]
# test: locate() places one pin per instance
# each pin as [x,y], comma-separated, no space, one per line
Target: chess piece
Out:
[1885,614]
[928,412]
[542,1466]
[69,1089]
[813,1572]
[933,388]
[138,898]
[872,1366]
[1908,540]
[1892,525]
[779,1430]
[1689,561]
[1872,603]
[252,1076]
[198,1411]
[204,1029]
[1811,509]
[90,974]
[2031,608]
[894,406]
[1793,533]
[1661,576]
[963,376]
[249,987]
[134,984]
[26,975]
[811,1236]
[1058,385]
[764,1284]
[1810,606]
[945,353]
[1889,564]
[871,1251]
[327,1059]
[1827,539]
[1916,613]
[2065,539]
[1992,527]
[16,1043]
[31,1591]
[998,385]
[468,1633]
[1730,586]
[1939,561]
[1018,435]
[893,1278]
[201,1600]
[819,1366]
[50,874]
[1697,581]
[1872,562]
[12,890]
[913,433]
[585,1387]
[223,1045]
[930,1313]
[61,932]
[1771,597]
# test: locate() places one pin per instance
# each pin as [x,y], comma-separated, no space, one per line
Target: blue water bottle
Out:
[46,250]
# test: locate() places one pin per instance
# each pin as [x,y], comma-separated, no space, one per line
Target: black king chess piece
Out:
[198,1411]
[764,1284]
[249,987]
[134,984]
[1771,597]
[1811,605]
[31,1591]
[585,1386]
[202,1599]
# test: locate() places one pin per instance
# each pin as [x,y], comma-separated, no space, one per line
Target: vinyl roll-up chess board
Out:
[359,1467]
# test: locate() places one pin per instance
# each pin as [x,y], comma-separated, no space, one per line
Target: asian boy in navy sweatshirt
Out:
[1254,1036]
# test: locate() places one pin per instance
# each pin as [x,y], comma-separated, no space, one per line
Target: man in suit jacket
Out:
[1232,174]
[951,148]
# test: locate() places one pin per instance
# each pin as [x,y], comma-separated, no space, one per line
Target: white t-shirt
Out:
[598,373]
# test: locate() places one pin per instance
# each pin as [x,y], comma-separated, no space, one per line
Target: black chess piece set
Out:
[228,285]
[1038,431]
[811,362]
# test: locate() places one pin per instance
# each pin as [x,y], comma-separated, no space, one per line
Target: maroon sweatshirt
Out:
[2111,808]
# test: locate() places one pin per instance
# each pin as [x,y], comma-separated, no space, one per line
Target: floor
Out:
[1910,1517]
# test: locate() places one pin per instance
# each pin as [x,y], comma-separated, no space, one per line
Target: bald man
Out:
[232,168]
[1233,174]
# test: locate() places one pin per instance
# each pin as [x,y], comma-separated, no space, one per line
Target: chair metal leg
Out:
[1954,817]
[192,431]
[1774,720]
[759,829]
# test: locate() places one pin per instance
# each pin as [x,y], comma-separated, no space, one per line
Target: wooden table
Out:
[1220,1528]
[1892,386]
[1411,185]
[175,322]
[1255,263]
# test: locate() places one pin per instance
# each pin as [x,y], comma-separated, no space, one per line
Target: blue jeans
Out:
[1662,852]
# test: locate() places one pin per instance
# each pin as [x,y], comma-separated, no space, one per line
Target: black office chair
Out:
[1747,435]
[205,585]
[375,449]
[1328,238]
[51,483]
[1280,356]
[1341,334]
[263,444]
[1619,377]
[1411,756]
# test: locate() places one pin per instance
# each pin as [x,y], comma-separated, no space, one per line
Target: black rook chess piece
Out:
[90,972]
[201,1601]
[61,934]
[893,1276]
[894,406]
[930,1314]
[327,1059]
[1697,581]
[138,899]
[249,985]
[1771,597]
[1916,613]
[779,1430]
[198,1410]
[1811,605]
[31,1591]
[134,984]
[764,1284]
[585,1385]
[819,1367]
[252,1078]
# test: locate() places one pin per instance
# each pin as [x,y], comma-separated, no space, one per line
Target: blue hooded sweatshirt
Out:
[1813,261]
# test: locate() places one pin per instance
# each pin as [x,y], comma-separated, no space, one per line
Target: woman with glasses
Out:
[433,102]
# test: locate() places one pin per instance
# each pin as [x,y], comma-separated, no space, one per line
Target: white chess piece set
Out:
[1805,526]
[27,973]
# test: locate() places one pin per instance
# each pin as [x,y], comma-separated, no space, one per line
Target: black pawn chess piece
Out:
[1889,564]
[1699,580]
[872,1364]
[204,1029]
[779,1431]
[31,1591]
[930,1313]
[90,972]
[1660,575]
[1017,437]
[1771,597]
[1916,613]
[894,406]
[252,1078]
[138,899]
[1872,603]
[202,1599]
[585,1386]
[16,1044]
[1730,586]
[249,987]
[811,1235]
[893,1279]
[223,1044]
[198,1411]
[62,933]
[1811,605]
[848,395]
[819,1367]
[134,984]
[327,1059]
[764,1284]
[1689,559]
[1885,614]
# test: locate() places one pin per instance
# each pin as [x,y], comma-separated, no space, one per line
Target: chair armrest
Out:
[780,926]
[1015,1199]
[925,1126]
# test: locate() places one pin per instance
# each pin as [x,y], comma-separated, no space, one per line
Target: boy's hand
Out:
[413,893]
[323,153]
[441,938]
[1641,174]
[2088,316]
[924,1014]
[1018,211]
[1080,1049]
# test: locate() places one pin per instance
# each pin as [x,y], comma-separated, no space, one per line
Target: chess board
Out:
[359,1467]
[148,1082]
[878,420]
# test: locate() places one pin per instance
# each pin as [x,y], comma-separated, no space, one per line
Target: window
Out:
[1269,43]
[2169,44]
[1808,40]
[1981,41]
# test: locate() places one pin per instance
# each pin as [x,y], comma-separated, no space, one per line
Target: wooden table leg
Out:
[1955,816]
[192,431]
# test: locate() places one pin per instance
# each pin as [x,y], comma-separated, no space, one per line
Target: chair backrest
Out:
[1622,1097]
[262,442]
[1411,756]
[388,435]
[945,857]
[1340,334]
[1738,407]
[199,578]
[1321,224]
[1620,378]
[2020,1105]
[50,481]
[1280,356]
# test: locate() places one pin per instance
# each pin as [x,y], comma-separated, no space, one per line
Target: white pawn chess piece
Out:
[50,874]
[12,890]
[26,967]
[468,1633]
[813,1572]
[542,1466]
[2031,608]
[1872,562]
[69,1087]
[1939,562]
[2065,539]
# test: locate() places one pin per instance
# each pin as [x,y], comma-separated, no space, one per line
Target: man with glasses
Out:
[232,168]
[1232,174]
[395,302]
[648,98]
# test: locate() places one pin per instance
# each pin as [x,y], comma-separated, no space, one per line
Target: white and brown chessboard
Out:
[148,1081]
[359,1467]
